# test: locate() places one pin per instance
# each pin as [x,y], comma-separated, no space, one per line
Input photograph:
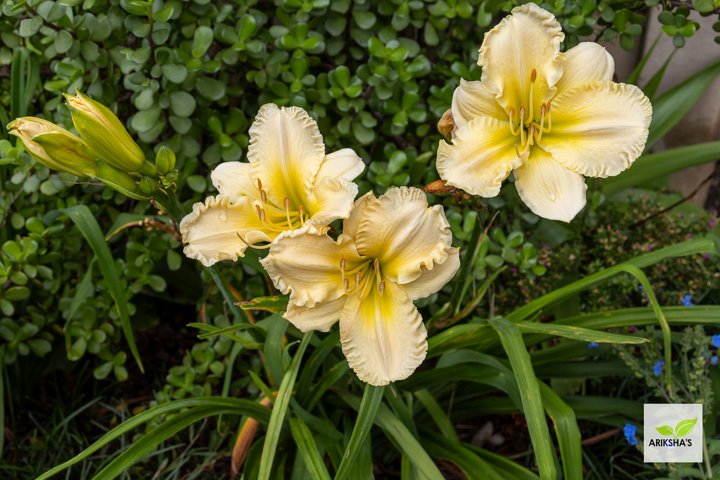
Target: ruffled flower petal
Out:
[526,41]
[213,230]
[481,156]
[382,336]
[352,222]
[305,263]
[234,180]
[471,100]
[286,150]
[334,191]
[321,317]
[585,63]
[550,190]
[599,128]
[431,281]
[403,233]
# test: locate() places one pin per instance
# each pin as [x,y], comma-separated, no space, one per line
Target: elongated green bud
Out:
[53,146]
[165,160]
[105,134]
[119,180]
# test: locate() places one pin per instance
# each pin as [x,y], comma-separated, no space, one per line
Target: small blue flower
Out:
[593,345]
[630,431]
[687,301]
[658,367]
[715,341]
[714,360]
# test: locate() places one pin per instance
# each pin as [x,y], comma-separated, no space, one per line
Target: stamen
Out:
[342,271]
[532,98]
[357,279]
[522,125]
[533,76]
[263,195]
[260,212]
[253,245]
[346,284]
[259,183]
[381,287]
[549,118]
[301,214]
[287,211]
[531,135]
[378,276]
[512,122]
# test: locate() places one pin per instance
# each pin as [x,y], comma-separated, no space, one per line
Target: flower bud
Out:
[165,160]
[53,146]
[119,180]
[103,132]
[446,124]
[148,185]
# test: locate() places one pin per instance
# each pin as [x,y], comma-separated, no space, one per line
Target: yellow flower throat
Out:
[278,219]
[528,123]
[363,277]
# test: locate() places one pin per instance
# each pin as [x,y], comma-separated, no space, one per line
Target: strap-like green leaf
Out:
[88,226]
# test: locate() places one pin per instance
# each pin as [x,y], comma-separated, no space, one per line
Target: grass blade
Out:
[372,397]
[85,222]
[439,417]
[566,430]
[670,107]
[657,165]
[689,247]
[512,342]
[307,449]
[279,410]
[239,405]
[577,333]
[394,429]
[455,452]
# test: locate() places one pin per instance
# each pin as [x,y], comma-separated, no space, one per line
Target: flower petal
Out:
[334,191]
[550,190]
[481,156]
[527,40]
[431,281]
[599,128]
[212,231]
[286,150]
[584,63]
[352,222]
[235,180]
[383,336]
[471,100]
[321,317]
[404,234]
[306,264]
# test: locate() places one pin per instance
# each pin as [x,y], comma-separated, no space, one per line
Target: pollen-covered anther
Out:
[533,76]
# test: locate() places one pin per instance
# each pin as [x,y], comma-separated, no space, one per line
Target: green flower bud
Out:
[165,160]
[103,132]
[53,146]
[148,185]
[119,180]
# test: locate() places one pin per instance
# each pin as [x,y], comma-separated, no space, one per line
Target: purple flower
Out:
[687,301]
[712,223]
[658,367]
[632,329]
[593,345]
[630,431]
[715,341]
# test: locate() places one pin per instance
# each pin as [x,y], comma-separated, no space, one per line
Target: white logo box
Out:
[679,440]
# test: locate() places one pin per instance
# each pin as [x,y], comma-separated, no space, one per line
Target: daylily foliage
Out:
[288,182]
[393,249]
[548,117]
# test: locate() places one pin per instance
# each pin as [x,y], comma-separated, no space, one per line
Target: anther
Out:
[259,183]
[533,76]
[259,212]
[357,279]
[301,214]
[263,195]
[381,287]
[522,125]
[346,284]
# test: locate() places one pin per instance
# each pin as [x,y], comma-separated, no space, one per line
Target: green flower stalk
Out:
[53,146]
[105,134]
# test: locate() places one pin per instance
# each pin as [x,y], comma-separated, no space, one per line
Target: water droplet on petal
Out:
[222,216]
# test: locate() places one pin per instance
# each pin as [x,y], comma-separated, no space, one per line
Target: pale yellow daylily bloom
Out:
[393,250]
[547,116]
[289,182]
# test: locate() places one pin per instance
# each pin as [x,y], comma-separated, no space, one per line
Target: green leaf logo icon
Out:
[684,427]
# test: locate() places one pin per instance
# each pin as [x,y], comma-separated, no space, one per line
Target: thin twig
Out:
[679,202]
[600,437]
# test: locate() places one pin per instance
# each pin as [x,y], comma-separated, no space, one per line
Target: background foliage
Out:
[377,75]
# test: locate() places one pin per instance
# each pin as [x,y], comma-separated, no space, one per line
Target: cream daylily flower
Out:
[289,182]
[548,117]
[393,250]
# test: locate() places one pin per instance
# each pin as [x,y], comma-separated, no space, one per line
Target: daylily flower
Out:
[289,182]
[393,249]
[548,117]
